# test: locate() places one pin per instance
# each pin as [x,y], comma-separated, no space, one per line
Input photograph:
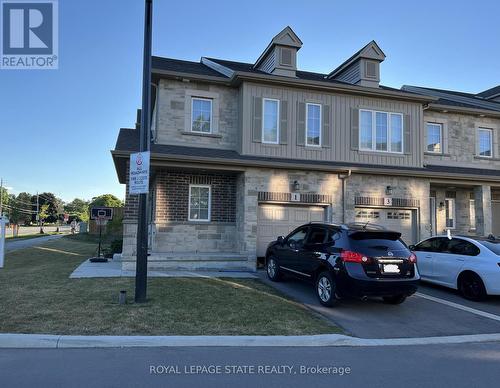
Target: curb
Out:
[68,341]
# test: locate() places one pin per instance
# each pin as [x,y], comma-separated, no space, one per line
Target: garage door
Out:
[495,208]
[401,220]
[279,220]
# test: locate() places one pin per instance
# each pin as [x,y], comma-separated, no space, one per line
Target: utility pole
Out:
[38,213]
[141,273]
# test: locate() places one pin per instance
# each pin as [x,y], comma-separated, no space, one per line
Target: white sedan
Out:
[469,265]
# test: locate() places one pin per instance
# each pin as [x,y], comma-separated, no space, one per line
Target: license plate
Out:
[391,268]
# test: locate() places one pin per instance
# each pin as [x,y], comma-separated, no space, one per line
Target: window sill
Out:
[485,158]
[189,133]
[382,153]
[436,154]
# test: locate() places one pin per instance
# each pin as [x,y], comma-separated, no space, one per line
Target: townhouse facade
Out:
[244,152]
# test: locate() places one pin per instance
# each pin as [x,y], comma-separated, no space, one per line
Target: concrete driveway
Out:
[433,311]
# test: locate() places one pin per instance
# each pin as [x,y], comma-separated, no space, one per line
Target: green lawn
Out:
[37,296]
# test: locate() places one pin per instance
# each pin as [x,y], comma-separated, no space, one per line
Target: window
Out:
[381,131]
[434,138]
[201,115]
[368,214]
[313,122]
[317,235]
[472,214]
[492,245]
[199,203]
[485,145]
[449,206]
[270,124]
[458,246]
[431,245]
[298,236]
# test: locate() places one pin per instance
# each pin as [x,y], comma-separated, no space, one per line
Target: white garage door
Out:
[495,209]
[400,220]
[279,220]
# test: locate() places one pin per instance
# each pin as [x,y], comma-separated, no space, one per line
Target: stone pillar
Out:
[482,202]
[246,216]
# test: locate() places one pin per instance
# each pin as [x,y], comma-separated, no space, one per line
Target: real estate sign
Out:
[139,173]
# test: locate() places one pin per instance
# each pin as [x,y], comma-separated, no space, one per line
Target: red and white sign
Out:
[139,173]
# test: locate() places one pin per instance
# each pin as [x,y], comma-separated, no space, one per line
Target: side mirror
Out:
[411,248]
[281,240]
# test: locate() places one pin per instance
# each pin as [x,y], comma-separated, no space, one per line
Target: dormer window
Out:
[286,57]
[201,115]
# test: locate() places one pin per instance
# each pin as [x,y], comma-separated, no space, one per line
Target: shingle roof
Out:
[490,92]
[455,98]
[178,65]
[128,141]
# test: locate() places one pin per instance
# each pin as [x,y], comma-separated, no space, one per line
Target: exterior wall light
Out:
[296,185]
[388,190]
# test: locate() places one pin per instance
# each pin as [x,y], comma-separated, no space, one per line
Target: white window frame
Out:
[209,204]
[441,133]
[389,132]
[320,124]
[277,120]
[453,215]
[472,214]
[490,131]
[211,113]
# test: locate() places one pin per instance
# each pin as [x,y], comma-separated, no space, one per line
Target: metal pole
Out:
[141,274]
[100,234]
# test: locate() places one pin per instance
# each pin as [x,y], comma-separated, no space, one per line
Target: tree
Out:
[78,208]
[43,215]
[106,200]
[5,198]
[54,206]
[21,209]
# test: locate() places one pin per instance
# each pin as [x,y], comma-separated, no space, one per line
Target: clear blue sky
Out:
[57,126]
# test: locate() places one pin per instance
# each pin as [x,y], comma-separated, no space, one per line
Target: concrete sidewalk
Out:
[113,268]
[29,242]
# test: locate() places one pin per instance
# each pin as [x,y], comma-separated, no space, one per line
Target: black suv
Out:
[356,260]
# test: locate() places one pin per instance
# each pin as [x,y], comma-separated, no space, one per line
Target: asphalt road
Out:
[468,365]
[417,317]
[28,243]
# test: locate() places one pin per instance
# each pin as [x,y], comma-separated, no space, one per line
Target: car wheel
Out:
[326,289]
[471,287]
[273,269]
[395,299]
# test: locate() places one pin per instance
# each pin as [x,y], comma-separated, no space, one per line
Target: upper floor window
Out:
[270,124]
[201,115]
[485,142]
[381,131]
[434,138]
[199,203]
[313,129]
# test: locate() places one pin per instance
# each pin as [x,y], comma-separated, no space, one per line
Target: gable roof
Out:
[285,37]
[370,51]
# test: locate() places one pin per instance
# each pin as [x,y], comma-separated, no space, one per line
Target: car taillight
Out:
[353,257]
[413,258]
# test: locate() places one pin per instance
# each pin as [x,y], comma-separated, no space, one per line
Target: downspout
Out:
[343,177]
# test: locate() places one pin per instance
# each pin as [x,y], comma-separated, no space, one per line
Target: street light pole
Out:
[141,273]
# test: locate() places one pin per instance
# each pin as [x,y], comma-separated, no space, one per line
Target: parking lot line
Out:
[459,306]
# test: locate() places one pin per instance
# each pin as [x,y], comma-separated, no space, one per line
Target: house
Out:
[244,152]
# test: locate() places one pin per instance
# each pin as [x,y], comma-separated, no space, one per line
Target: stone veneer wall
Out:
[360,185]
[274,180]
[174,114]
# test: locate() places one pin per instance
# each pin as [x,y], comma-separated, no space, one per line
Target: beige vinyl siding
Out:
[352,74]
[340,127]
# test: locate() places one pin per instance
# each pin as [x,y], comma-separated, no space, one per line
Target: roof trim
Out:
[436,106]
